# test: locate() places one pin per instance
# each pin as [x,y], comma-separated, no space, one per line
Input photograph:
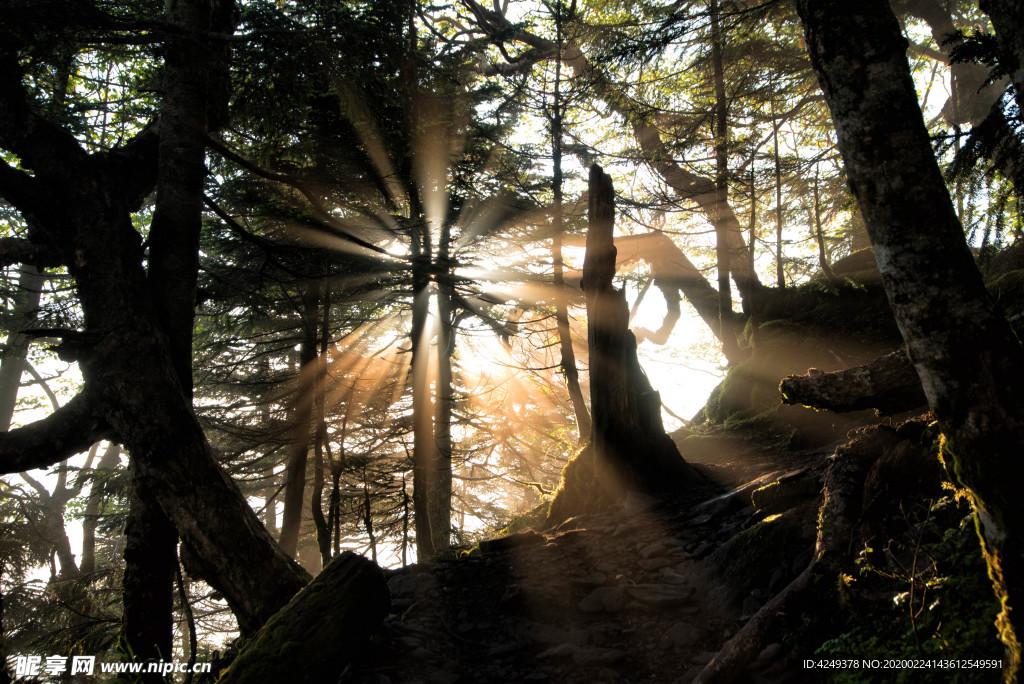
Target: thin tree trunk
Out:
[970,364]
[441,513]
[111,457]
[780,276]
[755,330]
[323,530]
[405,522]
[819,234]
[730,344]
[190,621]
[304,419]
[335,505]
[270,491]
[424,448]
[368,516]
[322,524]
[568,361]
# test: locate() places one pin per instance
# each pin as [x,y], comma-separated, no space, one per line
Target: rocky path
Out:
[629,595]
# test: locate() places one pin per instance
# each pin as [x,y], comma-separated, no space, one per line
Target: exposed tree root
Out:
[837,525]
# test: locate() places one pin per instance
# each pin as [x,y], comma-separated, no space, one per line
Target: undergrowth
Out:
[924,595]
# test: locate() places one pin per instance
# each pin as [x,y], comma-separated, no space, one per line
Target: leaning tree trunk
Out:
[970,364]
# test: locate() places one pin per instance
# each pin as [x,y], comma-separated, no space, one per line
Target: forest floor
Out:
[633,594]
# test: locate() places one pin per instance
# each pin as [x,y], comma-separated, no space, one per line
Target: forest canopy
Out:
[289,281]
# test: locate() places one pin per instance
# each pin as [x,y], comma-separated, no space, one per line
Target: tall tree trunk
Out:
[780,276]
[304,421]
[270,490]
[424,454]
[970,364]
[819,234]
[320,523]
[567,364]
[730,343]
[751,300]
[441,513]
[93,507]
[26,307]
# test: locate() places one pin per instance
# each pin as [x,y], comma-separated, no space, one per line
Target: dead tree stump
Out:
[628,448]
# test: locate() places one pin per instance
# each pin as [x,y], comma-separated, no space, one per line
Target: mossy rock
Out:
[588,484]
[315,636]
[752,387]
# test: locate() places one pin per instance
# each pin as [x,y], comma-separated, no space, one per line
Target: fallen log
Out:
[888,384]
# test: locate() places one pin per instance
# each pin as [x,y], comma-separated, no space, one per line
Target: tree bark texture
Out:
[970,364]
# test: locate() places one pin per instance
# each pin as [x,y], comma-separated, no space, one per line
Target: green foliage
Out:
[925,595]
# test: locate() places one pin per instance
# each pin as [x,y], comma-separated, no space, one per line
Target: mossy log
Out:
[888,384]
[315,636]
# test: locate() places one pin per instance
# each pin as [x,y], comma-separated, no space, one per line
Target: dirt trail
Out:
[621,596]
